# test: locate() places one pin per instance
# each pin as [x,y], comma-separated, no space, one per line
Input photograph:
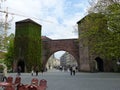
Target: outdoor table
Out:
[5,84]
[34,87]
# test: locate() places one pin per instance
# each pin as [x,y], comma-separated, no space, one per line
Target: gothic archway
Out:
[51,46]
[100,64]
[21,64]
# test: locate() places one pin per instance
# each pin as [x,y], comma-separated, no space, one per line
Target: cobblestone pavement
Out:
[81,81]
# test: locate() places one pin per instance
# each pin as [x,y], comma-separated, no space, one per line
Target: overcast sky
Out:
[57,17]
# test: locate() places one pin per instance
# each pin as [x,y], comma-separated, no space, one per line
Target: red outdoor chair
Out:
[32,87]
[17,80]
[43,82]
[42,85]
[21,87]
[9,80]
[34,81]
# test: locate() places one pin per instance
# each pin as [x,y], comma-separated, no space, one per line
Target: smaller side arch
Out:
[100,64]
[21,64]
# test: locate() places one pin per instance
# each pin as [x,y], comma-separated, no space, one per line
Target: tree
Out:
[94,32]
[99,6]
[4,26]
[3,38]
[1,34]
[9,57]
[113,17]
[103,29]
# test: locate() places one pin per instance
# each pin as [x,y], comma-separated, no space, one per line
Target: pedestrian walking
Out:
[42,70]
[71,70]
[32,70]
[74,70]
[19,70]
[36,70]
[4,74]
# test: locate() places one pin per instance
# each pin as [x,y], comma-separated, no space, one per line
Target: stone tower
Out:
[27,45]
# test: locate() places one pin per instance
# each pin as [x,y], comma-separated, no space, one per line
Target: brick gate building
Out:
[50,46]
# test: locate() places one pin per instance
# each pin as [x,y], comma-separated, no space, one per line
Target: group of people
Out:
[72,70]
[5,72]
[36,70]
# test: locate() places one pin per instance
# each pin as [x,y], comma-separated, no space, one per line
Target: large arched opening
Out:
[61,60]
[52,46]
[100,64]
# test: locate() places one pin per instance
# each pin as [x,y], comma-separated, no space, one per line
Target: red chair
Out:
[43,82]
[21,87]
[42,85]
[32,87]
[9,80]
[17,80]
[34,81]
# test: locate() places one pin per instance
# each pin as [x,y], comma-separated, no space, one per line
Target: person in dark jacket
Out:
[36,70]
[71,71]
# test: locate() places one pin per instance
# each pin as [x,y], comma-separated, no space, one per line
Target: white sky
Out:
[57,17]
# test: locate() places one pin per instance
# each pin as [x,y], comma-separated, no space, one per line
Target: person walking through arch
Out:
[42,70]
[4,74]
[74,70]
[36,70]
[71,71]
[19,70]
[32,70]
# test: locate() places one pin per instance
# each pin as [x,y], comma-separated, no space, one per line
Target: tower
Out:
[27,45]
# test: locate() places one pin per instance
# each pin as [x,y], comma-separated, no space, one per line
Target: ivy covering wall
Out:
[28,44]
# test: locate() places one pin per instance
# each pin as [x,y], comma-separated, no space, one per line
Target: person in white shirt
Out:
[5,74]
[74,70]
